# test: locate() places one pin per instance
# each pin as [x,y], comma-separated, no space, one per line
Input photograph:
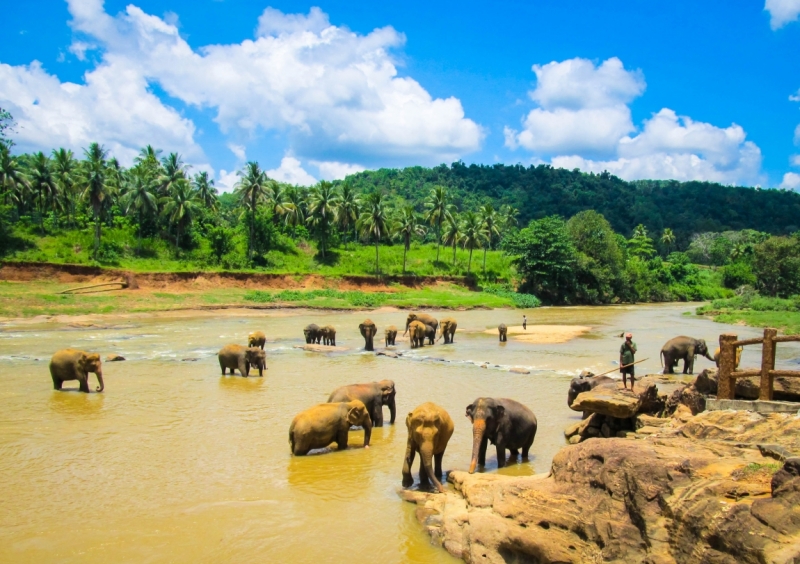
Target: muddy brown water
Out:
[173,463]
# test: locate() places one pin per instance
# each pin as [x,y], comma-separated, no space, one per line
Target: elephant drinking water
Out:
[326,423]
[374,396]
[685,348]
[71,364]
[429,430]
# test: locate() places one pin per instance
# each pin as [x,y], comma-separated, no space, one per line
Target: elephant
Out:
[256,339]
[738,357]
[390,334]
[368,331]
[585,384]
[328,335]
[429,429]
[430,334]
[503,330]
[685,348]
[312,333]
[447,329]
[417,329]
[507,423]
[323,424]
[374,395]
[424,318]
[237,356]
[72,364]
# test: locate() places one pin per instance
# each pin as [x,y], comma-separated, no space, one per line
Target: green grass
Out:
[756,311]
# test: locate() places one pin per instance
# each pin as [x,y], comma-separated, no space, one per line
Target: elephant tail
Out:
[291,438]
[661,357]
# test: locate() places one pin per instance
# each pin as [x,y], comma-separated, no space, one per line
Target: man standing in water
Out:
[524,322]
[626,354]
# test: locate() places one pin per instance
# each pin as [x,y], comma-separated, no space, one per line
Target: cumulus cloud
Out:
[291,172]
[333,170]
[584,121]
[227,180]
[791,181]
[239,151]
[782,12]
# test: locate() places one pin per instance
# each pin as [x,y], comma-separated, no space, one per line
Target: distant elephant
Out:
[429,429]
[328,335]
[390,334]
[424,318]
[584,384]
[256,339]
[71,364]
[430,334]
[312,333]
[417,329]
[503,330]
[326,423]
[507,423]
[373,395]
[738,357]
[237,356]
[368,331]
[447,329]
[685,348]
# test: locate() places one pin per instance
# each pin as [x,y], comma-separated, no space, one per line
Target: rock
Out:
[518,370]
[688,396]
[706,382]
[574,429]
[592,431]
[774,451]
[115,358]
[575,439]
[790,470]
[647,430]
[386,353]
[605,430]
[321,348]
[608,401]
[784,389]
[189,360]
[643,420]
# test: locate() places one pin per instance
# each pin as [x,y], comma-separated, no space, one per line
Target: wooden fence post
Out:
[726,387]
[767,363]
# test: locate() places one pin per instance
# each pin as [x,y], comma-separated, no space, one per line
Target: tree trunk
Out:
[469,263]
[377,258]
[139,243]
[438,237]
[454,252]
[96,233]
[484,261]
[405,250]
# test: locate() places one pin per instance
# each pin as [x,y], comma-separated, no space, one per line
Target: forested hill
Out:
[539,191]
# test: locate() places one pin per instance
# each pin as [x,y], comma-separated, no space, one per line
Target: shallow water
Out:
[173,463]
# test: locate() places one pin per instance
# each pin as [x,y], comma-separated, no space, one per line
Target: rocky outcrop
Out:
[684,494]
[784,389]
[115,358]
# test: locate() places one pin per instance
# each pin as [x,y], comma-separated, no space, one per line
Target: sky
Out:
[686,90]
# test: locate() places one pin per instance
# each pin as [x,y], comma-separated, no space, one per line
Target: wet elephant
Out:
[506,423]
[430,334]
[738,357]
[373,395]
[503,331]
[447,329]
[428,320]
[417,337]
[72,364]
[368,331]
[429,430]
[312,334]
[390,335]
[242,358]
[326,423]
[584,384]
[256,339]
[685,348]
[328,335]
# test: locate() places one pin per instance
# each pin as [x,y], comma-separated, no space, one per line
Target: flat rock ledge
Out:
[697,492]
[321,348]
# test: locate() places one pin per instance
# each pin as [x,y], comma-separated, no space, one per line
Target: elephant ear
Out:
[408,419]
[499,411]
[354,416]
[470,411]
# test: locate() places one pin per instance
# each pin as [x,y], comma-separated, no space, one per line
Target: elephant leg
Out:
[377,416]
[222,367]
[242,369]
[424,480]
[341,439]
[668,364]
[57,383]
[437,459]
[691,365]
[501,455]
[514,452]
[84,383]
[482,451]
[407,462]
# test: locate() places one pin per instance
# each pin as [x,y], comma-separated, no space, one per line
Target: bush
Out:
[737,274]
[522,301]
[259,297]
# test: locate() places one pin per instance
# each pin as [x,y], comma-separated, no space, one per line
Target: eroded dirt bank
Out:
[695,492]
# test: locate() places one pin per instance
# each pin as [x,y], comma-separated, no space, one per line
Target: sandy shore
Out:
[544,334]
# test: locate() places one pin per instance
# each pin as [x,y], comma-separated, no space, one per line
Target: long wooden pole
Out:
[620,368]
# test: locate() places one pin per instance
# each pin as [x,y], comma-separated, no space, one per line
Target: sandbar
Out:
[544,334]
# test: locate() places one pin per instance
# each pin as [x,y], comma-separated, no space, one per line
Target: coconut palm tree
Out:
[473,234]
[13,180]
[489,218]
[348,209]
[639,231]
[206,193]
[295,206]
[95,187]
[452,232]
[139,198]
[323,202]
[437,213]
[251,190]
[407,226]
[668,238]
[65,169]
[173,171]
[508,216]
[43,184]
[374,222]
[180,206]
[276,198]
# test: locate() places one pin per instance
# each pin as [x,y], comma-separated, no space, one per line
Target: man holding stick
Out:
[626,354]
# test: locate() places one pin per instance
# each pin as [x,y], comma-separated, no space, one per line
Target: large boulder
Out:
[688,396]
[618,402]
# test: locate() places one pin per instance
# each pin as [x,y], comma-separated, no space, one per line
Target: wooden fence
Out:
[728,343]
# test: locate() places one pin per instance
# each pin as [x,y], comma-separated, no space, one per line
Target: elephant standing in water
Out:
[312,333]
[685,348]
[430,334]
[237,356]
[390,335]
[326,423]
[429,429]
[71,364]
[503,331]
[368,331]
[507,423]
[447,328]
[374,396]
[328,335]
[424,318]
[256,339]
[417,329]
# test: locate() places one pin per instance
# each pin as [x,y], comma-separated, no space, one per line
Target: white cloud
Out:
[274,22]
[291,172]
[239,151]
[782,12]
[333,170]
[227,180]
[795,160]
[791,180]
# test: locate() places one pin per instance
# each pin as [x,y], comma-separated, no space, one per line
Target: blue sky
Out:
[685,90]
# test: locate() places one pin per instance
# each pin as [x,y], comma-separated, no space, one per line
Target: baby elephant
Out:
[390,334]
[326,423]
[429,429]
[736,362]
[503,330]
[256,339]
[71,364]
[328,335]
[417,329]
[237,356]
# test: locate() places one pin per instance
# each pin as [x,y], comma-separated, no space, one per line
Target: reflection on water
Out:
[174,463]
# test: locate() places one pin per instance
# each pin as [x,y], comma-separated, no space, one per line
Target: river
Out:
[173,463]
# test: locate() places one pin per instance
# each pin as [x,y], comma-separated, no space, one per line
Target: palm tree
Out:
[251,191]
[294,204]
[489,219]
[276,197]
[474,234]
[508,216]
[43,183]
[452,232]
[374,222]
[206,193]
[639,231]
[180,207]
[174,171]
[95,185]
[65,168]
[140,199]
[437,212]
[13,180]
[348,209]
[322,205]
[668,238]
[407,225]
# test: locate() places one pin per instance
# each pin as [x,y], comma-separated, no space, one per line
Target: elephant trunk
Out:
[102,385]
[392,410]
[367,424]
[426,454]
[368,343]
[478,430]
[406,331]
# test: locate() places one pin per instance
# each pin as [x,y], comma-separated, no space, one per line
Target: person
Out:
[626,354]
[524,322]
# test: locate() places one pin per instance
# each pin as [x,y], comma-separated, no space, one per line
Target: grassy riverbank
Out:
[756,311]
